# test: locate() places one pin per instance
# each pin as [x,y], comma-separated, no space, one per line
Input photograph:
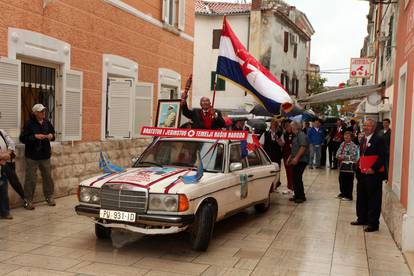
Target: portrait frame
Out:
[163,113]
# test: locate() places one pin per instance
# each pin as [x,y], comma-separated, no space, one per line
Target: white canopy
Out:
[342,94]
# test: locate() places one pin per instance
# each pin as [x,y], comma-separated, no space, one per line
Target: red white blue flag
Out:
[236,64]
[251,144]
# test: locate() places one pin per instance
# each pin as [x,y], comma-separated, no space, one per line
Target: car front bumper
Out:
[145,223]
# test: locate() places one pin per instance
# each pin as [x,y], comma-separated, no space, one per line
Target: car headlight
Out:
[169,203]
[89,195]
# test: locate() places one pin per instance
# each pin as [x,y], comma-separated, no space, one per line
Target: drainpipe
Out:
[377,40]
[255,28]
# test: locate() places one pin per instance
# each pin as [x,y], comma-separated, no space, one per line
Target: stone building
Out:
[99,67]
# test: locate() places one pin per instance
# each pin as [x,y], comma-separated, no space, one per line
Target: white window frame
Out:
[43,49]
[169,77]
[399,131]
[120,67]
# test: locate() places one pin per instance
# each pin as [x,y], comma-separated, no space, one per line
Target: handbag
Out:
[347,166]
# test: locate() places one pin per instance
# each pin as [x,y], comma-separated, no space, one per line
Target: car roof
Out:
[198,140]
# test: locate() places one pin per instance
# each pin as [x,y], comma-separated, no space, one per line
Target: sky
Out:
[340,28]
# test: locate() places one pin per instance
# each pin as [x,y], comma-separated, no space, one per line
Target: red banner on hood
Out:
[195,133]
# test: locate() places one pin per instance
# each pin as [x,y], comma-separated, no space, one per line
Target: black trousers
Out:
[335,146]
[346,184]
[369,198]
[323,155]
[298,188]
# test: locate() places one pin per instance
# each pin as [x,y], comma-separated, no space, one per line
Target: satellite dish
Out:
[374,98]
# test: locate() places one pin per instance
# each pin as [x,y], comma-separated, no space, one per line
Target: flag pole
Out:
[214,93]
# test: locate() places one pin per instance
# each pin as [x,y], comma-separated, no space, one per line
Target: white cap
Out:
[38,108]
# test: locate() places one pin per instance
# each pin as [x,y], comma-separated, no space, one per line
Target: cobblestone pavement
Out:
[313,238]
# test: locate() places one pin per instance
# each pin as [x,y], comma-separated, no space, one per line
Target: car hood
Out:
[153,179]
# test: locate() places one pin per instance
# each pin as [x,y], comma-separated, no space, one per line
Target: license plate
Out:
[117,215]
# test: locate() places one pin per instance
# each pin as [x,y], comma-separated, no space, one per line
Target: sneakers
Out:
[346,199]
[51,201]
[28,206]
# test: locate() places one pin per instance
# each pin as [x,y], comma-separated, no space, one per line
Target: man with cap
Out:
[36,135]
[171,116]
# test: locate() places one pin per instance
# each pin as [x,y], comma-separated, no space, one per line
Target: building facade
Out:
[279,38]
[208,24]
[399,194]
[99,68]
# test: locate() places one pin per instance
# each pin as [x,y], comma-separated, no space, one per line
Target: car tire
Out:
[202,228]
[263,207]
[101,232]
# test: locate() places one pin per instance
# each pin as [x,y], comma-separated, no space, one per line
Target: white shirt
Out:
[3,145]
[368,138]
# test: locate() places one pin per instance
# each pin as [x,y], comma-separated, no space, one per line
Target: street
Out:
[313,238]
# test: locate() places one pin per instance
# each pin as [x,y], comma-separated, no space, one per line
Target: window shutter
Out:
[295,51]
[143,106]
[166,11]
[119,107]
[286,42]
[72,106]
[181,15]
[216,38]
[10,78]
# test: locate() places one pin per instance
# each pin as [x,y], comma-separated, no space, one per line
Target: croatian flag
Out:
[236,64]
[251,144]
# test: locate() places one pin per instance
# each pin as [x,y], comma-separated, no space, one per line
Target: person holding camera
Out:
[36,136]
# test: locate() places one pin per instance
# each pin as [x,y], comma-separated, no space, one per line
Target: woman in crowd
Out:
[7,148]
[286,151]
[347,155]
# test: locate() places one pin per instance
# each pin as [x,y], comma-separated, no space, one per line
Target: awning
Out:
[343,94]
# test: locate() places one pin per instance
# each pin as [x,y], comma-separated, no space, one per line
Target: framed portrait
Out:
[168,113]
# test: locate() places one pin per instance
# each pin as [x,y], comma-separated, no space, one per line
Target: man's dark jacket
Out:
[272,148]
[195,115]
[36,149]
[376,146]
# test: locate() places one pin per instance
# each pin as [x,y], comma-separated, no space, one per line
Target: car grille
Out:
[123,200]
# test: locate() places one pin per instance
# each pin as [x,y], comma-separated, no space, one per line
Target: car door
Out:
[261,174]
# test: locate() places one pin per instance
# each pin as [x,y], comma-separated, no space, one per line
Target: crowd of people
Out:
[363,155]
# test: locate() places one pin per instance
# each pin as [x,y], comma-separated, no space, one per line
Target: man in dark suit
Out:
[386,135]
[273,144]
[204,118]
[370,175]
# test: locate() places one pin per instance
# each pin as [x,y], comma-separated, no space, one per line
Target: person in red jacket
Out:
[204,118]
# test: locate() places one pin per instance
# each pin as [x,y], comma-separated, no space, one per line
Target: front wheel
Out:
[202,228]
[101,232]
[263,207]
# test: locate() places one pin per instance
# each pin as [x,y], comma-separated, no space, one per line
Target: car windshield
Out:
[184,154]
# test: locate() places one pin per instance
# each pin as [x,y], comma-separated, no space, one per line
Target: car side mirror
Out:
[236,166]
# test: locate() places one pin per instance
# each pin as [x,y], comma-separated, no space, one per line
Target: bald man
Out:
[370,174]
[205,117]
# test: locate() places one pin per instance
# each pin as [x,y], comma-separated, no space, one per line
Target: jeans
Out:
[315,152]
[4,197]
[30,183]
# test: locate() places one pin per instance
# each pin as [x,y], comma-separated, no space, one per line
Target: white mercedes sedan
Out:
[166,192]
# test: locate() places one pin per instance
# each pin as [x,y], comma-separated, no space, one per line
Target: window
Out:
[295,51]
[287,84]
[172,15]
[38,86]
[286,42]
[235,155]
[143,106]
[390,37]
[297,88]
[216,39]
[254,159]
[265,159]
[220,83]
